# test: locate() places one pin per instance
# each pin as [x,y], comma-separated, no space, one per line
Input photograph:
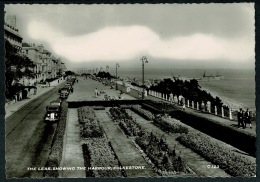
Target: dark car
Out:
[52,113]
[64,93]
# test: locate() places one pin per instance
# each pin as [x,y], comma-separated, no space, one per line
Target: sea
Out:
[237,85]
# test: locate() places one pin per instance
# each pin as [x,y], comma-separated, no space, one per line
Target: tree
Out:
[69,73]
[18,66]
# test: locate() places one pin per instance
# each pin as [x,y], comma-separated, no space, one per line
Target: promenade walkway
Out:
[12,108]
[84,90]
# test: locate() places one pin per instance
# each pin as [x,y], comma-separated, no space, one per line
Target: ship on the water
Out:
[210,77]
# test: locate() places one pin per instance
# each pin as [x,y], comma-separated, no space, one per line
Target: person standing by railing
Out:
[247,119]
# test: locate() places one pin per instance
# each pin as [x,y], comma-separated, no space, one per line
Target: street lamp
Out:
[144,60]
[117,65]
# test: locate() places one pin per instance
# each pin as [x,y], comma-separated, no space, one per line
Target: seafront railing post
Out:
[192,104]
[216,111]
[230,114]
[166,97]
[188,103]
[197,105]
[222,112]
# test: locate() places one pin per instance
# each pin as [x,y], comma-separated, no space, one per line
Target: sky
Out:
[169,35]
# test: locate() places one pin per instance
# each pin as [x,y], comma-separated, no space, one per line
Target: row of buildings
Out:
[47,66]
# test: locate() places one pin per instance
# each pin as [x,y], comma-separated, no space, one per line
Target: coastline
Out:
[233,82]
[228,102]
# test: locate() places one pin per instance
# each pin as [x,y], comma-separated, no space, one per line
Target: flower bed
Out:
[125,106]
[231,162]
[90,127]
[162,123]
[142,112]
[167,126]
[85,114]
[126,122]
[157,152]
[160,156]
[118,114]
[130,127]
[103,161]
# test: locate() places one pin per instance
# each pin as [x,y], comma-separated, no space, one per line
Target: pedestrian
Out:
[35,90]
[247,119]
[179,100]
[96,92]
[240,118]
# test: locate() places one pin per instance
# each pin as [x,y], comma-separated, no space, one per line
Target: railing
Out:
[224,111]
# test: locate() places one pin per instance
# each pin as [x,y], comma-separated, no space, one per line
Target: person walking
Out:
[240,118]
[179,99]
[96,92]
[247,119]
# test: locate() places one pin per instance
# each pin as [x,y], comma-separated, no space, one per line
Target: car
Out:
[52,113]
[56,103]
[64,93]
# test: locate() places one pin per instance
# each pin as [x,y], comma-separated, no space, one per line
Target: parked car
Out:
[56,103]
[64,93]
[52,113]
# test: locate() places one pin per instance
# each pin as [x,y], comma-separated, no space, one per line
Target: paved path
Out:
[127,153]
[72,155]
[84,91]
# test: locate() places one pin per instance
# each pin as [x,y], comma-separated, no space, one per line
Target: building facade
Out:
[11,32]
[47,66]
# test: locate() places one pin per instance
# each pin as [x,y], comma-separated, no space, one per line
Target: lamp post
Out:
[117,65]
[144,60]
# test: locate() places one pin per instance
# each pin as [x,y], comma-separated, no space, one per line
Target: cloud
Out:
[128,42]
